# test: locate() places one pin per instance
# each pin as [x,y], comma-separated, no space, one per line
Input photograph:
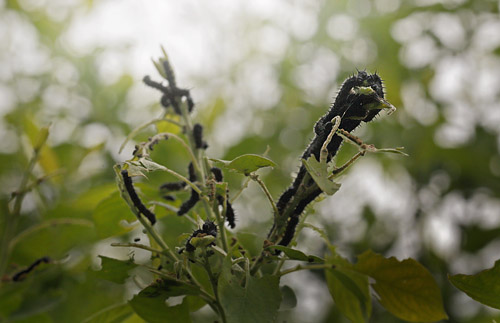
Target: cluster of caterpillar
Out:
[208,228]
[353,107]
[171,93]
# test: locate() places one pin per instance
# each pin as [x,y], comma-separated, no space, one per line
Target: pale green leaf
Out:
[295,254]
[150,165]
[319,172]
[246,164]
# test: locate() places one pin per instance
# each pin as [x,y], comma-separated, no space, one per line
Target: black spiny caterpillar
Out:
[129,186]
[230,216]
[361,98]
[208,228]
[194,198]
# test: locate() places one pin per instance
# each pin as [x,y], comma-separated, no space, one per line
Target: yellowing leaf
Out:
[405,288]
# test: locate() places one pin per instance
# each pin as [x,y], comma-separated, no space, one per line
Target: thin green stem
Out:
[245,185]
[194,159]
[140,246]
[256,178]
[278,267]
[220,224]
[342,168]
[143,126]
[306,267]
[12,218]
[184,179]
[213,281]
[152,232]
[324,148]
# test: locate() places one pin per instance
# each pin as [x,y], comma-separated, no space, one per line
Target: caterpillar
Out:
[189,204]
[127,181]
[230,215]
[354,104]
[194,198]
[217,172]
[19,276]
[208,228]
[172,95]
[173,186]
[198,137]
[192,174]
[289,231]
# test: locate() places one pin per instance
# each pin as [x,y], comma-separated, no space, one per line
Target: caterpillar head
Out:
[362,97]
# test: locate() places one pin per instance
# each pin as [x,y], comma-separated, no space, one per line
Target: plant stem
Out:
[220,224]
[245,185]
[140,246]
[307,267]
[149,228]
[256,178]
[213,281]
[12,218]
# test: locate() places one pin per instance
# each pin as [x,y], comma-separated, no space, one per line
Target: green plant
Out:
[193,256]
[212,266]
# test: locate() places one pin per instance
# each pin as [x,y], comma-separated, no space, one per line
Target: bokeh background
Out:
[261,73]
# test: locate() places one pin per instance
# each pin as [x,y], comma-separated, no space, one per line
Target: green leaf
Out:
[109,214]
[483,287]
[246,164]
[153,309]
[289,298]
[319,172]
[115,270]
[113,314]
[349,289]
[297,254]
[151,165]
[202,242]
[151,305]
[405,288]
[11,297]
[258,301]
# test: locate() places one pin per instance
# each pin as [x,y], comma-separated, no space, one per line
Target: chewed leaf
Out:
[115,270]
[483,287]
[246,164]
[319,172]
[295,254]
[151,165]
[202,242]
